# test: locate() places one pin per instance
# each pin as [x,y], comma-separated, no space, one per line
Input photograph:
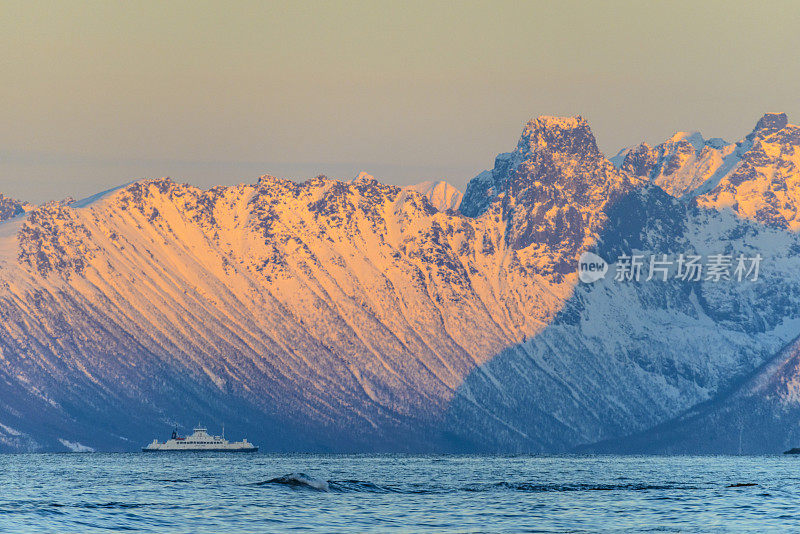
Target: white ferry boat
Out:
[200,440]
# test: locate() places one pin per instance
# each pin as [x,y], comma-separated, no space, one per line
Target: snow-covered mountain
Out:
[682,164]
[10,208]
[760,414]
[621,357]
[551,191]
[689,165]
[331,315]
[441,195]
[323,314]
[764,185]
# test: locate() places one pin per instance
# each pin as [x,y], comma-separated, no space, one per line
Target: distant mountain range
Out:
[360,316]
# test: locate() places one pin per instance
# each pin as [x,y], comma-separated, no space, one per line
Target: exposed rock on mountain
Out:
[10,208]
[552,192]
[753,176]
[347,312]
[330,315]
[764,186]
[683,164]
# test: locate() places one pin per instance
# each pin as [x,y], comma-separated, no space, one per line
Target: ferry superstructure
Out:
[200,440]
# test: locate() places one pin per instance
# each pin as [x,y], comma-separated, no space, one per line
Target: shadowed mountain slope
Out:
[327,315]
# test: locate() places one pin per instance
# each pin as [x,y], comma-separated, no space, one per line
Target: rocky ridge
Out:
[330,315]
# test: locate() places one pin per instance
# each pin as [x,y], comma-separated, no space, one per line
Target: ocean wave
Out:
[529,487]
[110,505]
[303,481]
[298,481]
[360,486]
[44,507]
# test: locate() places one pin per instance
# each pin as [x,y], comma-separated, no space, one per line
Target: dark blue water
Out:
[310,493]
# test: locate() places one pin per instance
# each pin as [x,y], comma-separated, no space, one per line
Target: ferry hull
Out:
[254,449]
[200,441]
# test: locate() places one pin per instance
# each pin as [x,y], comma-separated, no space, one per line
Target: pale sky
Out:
[97,94]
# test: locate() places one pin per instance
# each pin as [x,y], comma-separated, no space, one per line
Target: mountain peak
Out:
[772,120]
[693,138]
[558,134]
[550,121]
[363,177]
[764,185]
[10,208]
[768,124]
[441,194]
[266,179]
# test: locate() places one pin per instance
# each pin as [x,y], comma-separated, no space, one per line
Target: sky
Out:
[95,94]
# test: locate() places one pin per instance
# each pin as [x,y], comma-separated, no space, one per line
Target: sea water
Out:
[218,492]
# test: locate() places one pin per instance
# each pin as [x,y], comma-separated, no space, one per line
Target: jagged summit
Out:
[768,124]
[552,189]
[564,122]
[570,135]
[765,184]
[680,164]
[356,315]
[266,178]
[693,138]
[10,208]
[364,177]
[441,194]
[687,165]
[550,150]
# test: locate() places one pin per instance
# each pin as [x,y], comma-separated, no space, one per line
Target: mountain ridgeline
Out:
[360,316]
